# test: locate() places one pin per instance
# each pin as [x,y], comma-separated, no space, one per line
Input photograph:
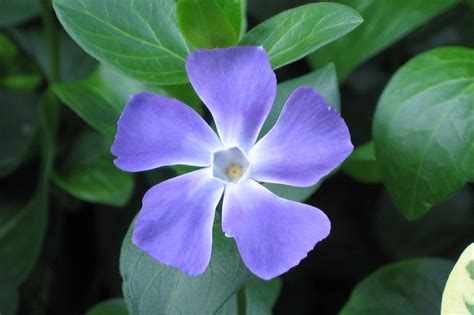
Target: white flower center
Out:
[230,165]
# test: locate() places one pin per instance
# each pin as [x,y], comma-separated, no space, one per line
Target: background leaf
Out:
[423,129]
[362,164]
[236,11]
[138,38]
[17,11]
[88,173]
[295,33]
[386,21]
[152,288]
[410,287]
[99,99]
[452,222]
[458,295]
[18,123]
[325,82]
[205,24]
[114,306]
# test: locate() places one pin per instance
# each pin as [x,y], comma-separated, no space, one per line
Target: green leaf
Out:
[385,22]
[458,295]
[138,38]
[295,33]
[74,63]
[260,296]
[410,287]
[236,13]
[88,173]
[325,82]
[17,11]
[362,164]
[18,123]
[99,100]
[423,129]
[452,222]
[115,306]
[152,288]
[205,24]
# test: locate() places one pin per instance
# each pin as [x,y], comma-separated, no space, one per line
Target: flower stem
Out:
[51,39]
[241,302]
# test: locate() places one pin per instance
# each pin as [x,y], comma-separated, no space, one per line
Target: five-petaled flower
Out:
[238,86]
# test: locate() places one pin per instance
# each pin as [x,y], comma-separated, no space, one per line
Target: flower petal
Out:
[308,141]
[174,225]
[238,86]
[272,234]
[155,131]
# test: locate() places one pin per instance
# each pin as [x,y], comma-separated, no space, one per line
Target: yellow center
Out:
[234,171]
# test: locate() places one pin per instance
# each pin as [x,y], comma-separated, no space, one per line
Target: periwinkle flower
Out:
[238,86]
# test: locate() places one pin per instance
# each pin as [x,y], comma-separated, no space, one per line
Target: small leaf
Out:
[325,82]
[205,24]
[260,296]
[452,222]
[362,164]
[17,11]
[295,33]
[88,173]
[385,22]
[115,306]
[458,295]
[152,288]
[138,38]
[18,123]
[423,129]
[409,287]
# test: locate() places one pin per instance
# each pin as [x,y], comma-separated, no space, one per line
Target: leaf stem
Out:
[51,39]
[241,302]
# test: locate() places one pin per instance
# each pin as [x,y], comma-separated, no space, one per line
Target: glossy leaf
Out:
[236,13]
[18,123]
[452,222]
[115,306]
[17,11]
[385,21]
[88,173]
[100,99]
[138,38]
[362,164]
[260,296]
[409,287]
[325,82]
[295,33]
[205,24]
[423,129]
[152,288]
[458,295]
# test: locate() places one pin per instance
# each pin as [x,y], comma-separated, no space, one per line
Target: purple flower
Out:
[238,86]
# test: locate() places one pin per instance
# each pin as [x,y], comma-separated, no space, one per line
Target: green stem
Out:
[241,302]
[51,39]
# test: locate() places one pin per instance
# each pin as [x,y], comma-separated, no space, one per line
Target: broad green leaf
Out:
[458,295]
[236,13]
[17,11]
[385,21]
[362,164]
[205,24]
[295,33]
[409,287]
[18,123]
[99,100]
[88,173]
[152,288]
[423,129]
[74,63]
[260,296]
[138,38]
[452,222]
[115,306]
[325,82]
